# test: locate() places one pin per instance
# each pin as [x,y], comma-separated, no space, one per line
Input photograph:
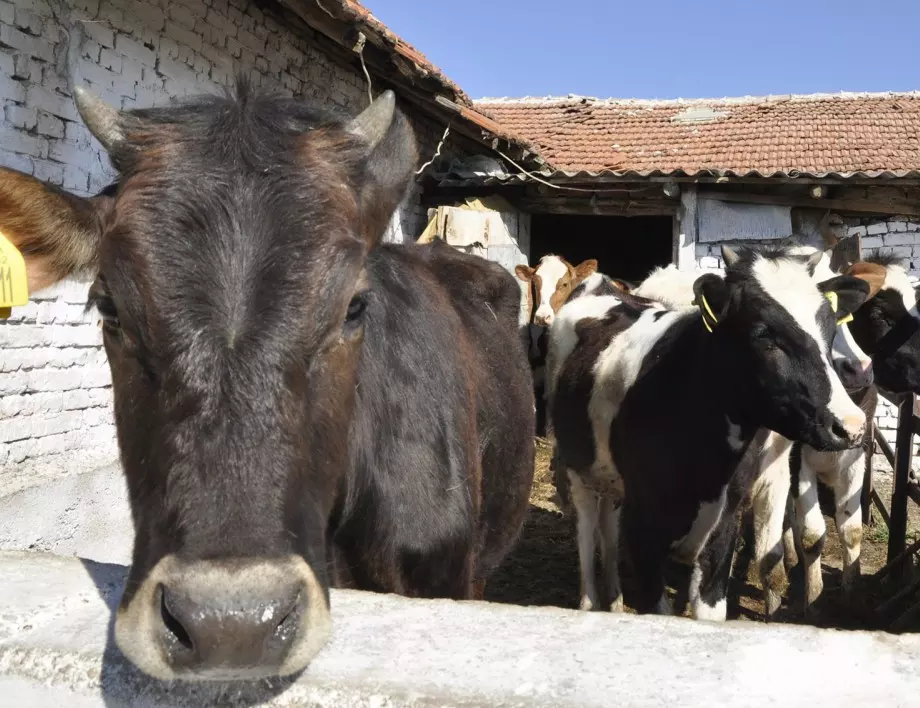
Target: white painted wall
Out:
[54,381]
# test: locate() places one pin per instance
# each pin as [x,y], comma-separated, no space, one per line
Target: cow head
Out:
[888,326]
[553,280]
[777,329]
[230,263]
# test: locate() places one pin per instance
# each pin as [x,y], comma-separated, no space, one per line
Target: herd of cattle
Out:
[300,406]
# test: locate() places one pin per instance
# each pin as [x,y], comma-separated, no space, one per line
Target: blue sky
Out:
[664,48]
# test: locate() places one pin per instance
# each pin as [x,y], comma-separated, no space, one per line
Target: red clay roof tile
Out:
[817,134]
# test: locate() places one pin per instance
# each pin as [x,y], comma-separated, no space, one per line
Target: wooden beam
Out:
[684,249]
[897,529]
[858,205]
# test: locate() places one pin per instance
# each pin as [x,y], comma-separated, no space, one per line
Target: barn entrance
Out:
[625,247]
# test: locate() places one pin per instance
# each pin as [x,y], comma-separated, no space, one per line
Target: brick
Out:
[23,163]
[175,70]
[110,60]
[99,76]
[28,22]
[76,179]
[76,336]
[7,13]
[100,33]
[38,47]
[897,226]
[54,379]
[224,24]
[13,382]
[31,145]
[152,18]
[51,172]
[52,102]
[878,228]
[90,6]
[183,16]
[25,69]
[70,154]
[249,40]
[872,242]
[183,36]
[132,70]
[11,89]
[93,378]
[49,125]
[21,116]
[136,50]
[900,239]
[168,49]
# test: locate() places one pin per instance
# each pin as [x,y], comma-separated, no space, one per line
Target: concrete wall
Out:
[388,651]
[54,397]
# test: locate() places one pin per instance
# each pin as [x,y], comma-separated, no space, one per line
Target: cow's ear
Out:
[524,272]
[846,294]
[584,269]
[710,295]
[872,273]
[388,166]
[57,233]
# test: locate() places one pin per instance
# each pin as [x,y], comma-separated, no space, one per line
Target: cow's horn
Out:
[375,120]
[101,120]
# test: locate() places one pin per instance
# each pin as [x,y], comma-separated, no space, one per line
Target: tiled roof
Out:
[817,135]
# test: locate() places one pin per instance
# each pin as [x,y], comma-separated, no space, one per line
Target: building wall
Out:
[896,235]
[55,395]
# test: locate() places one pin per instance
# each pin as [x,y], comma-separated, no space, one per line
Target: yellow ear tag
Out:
[834,300]
[14,290]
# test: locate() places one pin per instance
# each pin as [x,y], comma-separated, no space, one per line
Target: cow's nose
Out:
[209,636]
[224,619]
[856,375]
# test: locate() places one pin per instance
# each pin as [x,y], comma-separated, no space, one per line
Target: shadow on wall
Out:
[124,685]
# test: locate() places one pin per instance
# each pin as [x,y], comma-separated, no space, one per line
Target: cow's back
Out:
[442,385]
[487,300]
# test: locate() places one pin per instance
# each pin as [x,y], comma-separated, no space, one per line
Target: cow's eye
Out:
[356,309]
[107,311]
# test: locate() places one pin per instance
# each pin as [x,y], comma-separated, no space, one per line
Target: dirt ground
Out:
[543,568]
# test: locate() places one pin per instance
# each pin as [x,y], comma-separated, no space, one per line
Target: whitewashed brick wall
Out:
[54,382]
[895,235]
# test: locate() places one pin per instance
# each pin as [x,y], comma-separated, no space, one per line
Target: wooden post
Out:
[685,230]
[867,476]
[897,529]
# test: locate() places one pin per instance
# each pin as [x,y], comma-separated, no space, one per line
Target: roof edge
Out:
[727,100]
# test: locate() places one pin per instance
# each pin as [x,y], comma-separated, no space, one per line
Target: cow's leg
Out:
[478,590]
[586,512]
[610,545]
[848,502]
[813,530]
[769,502]
[647,553]
[790,551]
[712,570]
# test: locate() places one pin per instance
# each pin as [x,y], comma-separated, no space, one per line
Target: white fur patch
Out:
[735,441]
[615,372]
[669,286]
[551,270]
[790,285]
[897,279]
[702,611]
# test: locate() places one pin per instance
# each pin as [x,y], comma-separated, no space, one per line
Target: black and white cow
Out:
[657,407]
[298,405]
[887,327]
[770,462]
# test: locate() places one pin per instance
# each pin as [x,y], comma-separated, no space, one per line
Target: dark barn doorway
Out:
[625,247]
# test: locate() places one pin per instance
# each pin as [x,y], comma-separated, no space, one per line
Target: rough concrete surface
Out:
[81,512]
[389,651]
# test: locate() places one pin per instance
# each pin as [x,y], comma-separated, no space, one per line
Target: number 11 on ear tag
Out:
[14,290]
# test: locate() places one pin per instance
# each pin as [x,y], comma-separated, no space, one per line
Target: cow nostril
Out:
[290,621]
[173,625]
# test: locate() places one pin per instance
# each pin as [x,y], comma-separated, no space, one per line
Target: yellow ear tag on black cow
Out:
[834,301]
[707,311]
[14,290]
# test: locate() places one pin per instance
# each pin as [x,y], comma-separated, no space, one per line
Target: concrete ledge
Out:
[389,651]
